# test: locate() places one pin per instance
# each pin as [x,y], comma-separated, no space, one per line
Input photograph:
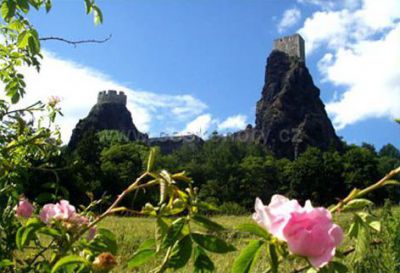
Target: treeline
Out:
[228,174]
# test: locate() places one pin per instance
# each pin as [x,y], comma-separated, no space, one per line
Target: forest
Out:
[228,174]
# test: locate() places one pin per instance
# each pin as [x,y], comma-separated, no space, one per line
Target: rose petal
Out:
[322,260]
[337,234]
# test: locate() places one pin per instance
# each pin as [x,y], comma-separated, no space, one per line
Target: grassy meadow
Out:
[131,231]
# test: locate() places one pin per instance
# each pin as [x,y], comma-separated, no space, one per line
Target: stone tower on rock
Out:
[292,45]
[290,115]
[109,113]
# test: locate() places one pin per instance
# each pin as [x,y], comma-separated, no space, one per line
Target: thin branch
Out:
[52,170]
[41,253]
[28,108]
[75,43]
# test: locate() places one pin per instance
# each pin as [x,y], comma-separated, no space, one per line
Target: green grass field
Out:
[132,231]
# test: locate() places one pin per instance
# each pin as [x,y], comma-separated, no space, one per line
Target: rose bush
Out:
[290,231]
[65,240]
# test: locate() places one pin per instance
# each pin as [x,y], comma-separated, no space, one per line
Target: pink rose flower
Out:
[48,212]
[275,216]
[60,211]
[65,210]
[24,208]
[308,231]
[311,233]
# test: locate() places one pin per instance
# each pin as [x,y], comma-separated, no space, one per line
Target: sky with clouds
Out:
[198,66]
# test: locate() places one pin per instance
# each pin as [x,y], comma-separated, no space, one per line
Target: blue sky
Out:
[198,65]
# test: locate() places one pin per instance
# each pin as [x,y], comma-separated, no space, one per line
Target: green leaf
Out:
[181,253]
[14,95]
[375,225]
[149,209]
[23,5]
[68,261]
[207,223]
[16,25]
[98,15]
[48,5]
[143,254]
[5,263]
[207,206]
[339,267]
[353,230]
[392,182]
[7,10]
[174,232]
[357,204]
[177,207]
[361,243]
[247,257]
[148,244]
[108,238]
[161,230]
[23,39]
[181,177]
[369,220]
[51,232]
[273,258]
[34,42]
[34,3]
[167,177]
[88,5]
[151,159]
[140,257]
[212,243]
[18,237]
[26,233]
[255,230]
[202,262]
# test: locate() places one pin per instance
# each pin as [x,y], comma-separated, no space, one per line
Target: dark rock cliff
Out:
[106,116]
[172,143]
[290,115]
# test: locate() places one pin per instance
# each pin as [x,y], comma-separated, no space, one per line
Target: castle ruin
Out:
[111,96]
[292,45]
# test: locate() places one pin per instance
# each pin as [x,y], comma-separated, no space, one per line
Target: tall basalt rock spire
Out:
[109,113]
[290,116]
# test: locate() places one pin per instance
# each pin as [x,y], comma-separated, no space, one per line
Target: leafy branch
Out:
[356,193]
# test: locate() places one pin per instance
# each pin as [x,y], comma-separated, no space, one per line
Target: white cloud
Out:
[361,56]
[326,27]
[379,14]
[78,86]
[344,27]
[237,122]
[199,126]
[204,124]
[372,73]
[290,18]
